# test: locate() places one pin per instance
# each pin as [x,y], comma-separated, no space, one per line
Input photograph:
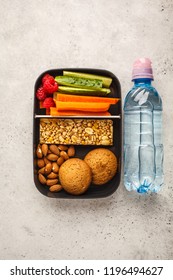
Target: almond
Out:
[44,148]
[48,168]
[54,149]
[60,160]
[55,167]
[55,188]
[52,157]
[64,155]
[51,182]
[39,152]
[62,147]
[52,175]
[42,179]
[71,151]
[46,160]
[41,170]
[40,163]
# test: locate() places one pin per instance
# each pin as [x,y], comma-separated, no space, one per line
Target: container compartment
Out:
[74,131]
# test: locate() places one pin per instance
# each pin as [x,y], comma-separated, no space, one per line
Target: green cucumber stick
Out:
[106,80]
[84,91]
[78,82]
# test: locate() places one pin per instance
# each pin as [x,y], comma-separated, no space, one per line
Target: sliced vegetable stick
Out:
[84,91]
[106,80]
[41,104]
[81,98]
[82,106]
[47,111]
[79,82]
[55,112]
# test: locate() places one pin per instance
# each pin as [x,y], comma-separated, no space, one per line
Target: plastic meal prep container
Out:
[81,150]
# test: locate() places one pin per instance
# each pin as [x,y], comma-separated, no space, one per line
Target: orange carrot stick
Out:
[81,98]
[82,106]
[55,112]
[41,104]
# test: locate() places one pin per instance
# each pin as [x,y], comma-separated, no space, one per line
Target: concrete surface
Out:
[39,35]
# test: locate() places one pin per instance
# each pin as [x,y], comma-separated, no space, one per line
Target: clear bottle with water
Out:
[143,147]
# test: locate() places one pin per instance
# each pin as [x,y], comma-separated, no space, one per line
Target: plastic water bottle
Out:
[143,147]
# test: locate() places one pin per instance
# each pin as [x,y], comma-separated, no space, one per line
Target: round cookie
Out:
[103,164]
[75,176]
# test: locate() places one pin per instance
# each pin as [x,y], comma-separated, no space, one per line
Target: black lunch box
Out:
[81,150]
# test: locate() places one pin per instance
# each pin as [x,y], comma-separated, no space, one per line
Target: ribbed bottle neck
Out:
[142,82]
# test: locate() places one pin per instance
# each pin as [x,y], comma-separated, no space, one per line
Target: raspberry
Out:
[47,77]
[49,86]
[48,102]
[41,94]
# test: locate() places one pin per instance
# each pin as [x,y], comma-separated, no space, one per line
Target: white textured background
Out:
[40,35]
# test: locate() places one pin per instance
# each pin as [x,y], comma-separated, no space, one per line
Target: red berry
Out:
[50,87]
[47,77]
[41,94]
[48,102]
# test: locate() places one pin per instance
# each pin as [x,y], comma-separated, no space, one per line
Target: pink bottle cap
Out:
[142,69]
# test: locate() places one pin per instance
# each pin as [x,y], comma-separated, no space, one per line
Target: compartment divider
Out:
[77,117]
